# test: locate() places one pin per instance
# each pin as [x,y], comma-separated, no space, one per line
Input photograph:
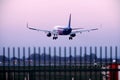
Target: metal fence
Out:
[58,63]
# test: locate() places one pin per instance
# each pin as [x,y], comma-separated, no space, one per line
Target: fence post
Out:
[6,75]
[72,78]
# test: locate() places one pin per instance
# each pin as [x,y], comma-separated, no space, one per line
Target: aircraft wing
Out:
[38,29]
[46,31]
[81,31]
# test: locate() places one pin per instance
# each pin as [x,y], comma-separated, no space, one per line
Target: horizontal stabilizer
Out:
[72,28]
[32,28]
[95,29]
[76,28]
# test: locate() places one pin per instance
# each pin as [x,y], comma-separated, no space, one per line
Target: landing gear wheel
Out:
[70,38]
[54,38]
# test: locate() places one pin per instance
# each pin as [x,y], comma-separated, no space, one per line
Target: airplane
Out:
[63,30]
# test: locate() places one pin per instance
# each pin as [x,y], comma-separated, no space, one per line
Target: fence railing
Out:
[58,63]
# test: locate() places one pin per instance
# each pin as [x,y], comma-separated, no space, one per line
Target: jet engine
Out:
[72,35]
[49,34]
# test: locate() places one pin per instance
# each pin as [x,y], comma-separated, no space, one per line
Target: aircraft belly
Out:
[64,32]
[60,32]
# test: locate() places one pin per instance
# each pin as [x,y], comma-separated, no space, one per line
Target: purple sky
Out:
[45,14]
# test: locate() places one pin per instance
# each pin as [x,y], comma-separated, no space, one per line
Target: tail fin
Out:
[69,24]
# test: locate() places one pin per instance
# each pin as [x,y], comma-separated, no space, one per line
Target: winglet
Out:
[101,25]
[27,25]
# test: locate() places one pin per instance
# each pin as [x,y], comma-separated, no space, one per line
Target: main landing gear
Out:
[70,38]
[54,38]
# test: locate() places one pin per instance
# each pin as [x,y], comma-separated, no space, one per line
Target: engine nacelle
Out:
[48,34]
[73,35]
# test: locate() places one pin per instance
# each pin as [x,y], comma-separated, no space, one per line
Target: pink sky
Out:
[45,14]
